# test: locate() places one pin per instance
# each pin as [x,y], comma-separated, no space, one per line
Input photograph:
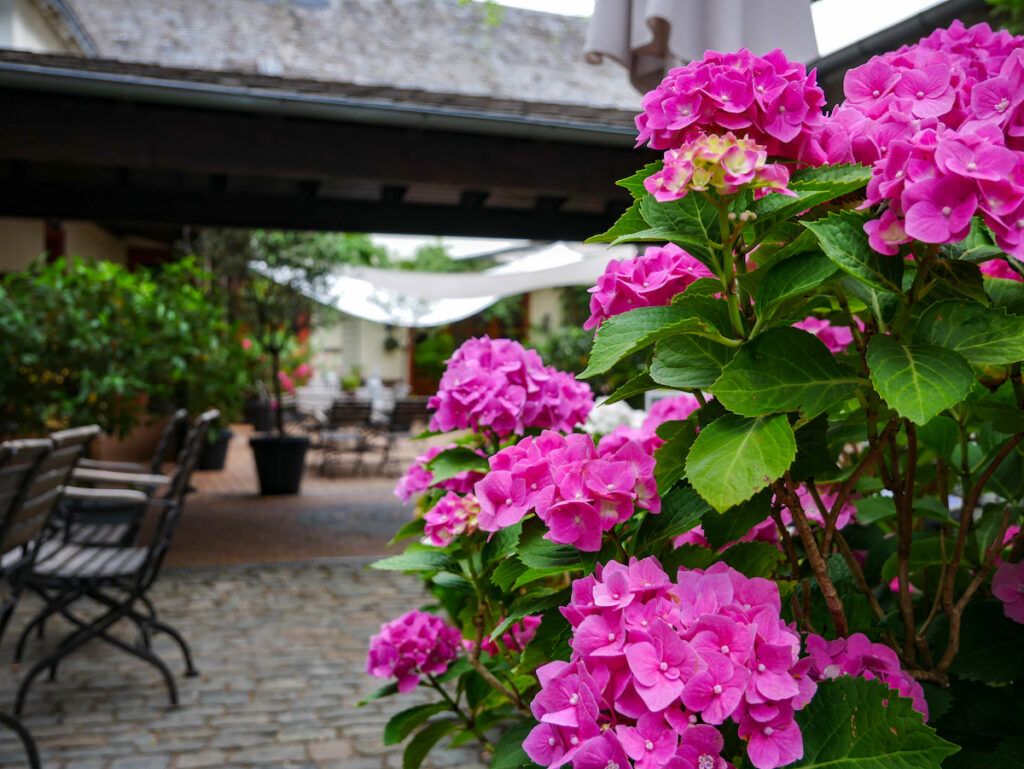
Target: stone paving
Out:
[280,649]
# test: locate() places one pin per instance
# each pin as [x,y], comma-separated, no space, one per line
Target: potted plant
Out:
[272,277]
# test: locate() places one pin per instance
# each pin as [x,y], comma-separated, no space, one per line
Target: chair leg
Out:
[151,623]
[54,605]
[31,751]
[79,638]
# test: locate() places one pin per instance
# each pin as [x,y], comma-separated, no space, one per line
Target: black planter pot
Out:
[259,414]
[214,455]
[280,461]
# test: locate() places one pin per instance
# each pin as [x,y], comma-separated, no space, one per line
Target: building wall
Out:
[86,239]
[352,341]
[21,241]
[30,31]
[545,309]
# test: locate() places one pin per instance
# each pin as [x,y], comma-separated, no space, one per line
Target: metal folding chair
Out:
[110,521]
[408,415]
[347,431]
[32,473]
[114,577]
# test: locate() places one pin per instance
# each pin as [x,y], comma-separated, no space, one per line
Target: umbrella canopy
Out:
[650,37]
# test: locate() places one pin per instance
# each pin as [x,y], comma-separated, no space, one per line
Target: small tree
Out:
[272,277]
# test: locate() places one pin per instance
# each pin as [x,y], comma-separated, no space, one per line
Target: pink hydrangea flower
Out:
[498,385]
[647,280]
[515,639]
[769,99]
[656,665]
[414,645]
[451,516]
[418,478]
[1008,587]
[999,268]
[577,489]
[858,656]
[836,338]
[724,162]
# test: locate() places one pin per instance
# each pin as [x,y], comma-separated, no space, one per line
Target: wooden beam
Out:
[231,209]
[69,129]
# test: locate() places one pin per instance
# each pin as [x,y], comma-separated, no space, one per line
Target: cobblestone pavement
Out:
[280,649]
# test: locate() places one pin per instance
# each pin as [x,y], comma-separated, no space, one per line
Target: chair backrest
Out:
[163,446]
[173,499]
[39,499]
[18,463]
[407,413]
[345,413]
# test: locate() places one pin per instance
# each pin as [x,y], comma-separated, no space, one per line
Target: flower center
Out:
[573,699]
[768,731]
[533,486]
[705,762]
[611,765]
[611,636]
[574,740]
[509,501]
[725,649]
[663,666]
[649,745]
[760,667]
[946,210]
[876,93]
[717,688]
[972,166]
[1003,105]
[551,741]
[920,94]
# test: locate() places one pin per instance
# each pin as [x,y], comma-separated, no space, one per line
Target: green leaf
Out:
[635,183]
[923,553]
[733,458]
[1004,416]
[625,334]
[721,529]
[873,509]
[957,278]
[451,462]
[450,581]
[413,528]
[982,716]
[681,509]
[688,362]
[982,335]
[415,560]
[502,542]
[783,369]
[539,553]
[844,241]
[853,723]
[812,186]
[424,740]
[693,216]
[384,691]
[507,573]
[1005,293]
[814,456]
[881,304]
[941,435]
[531,604]
[401,725]
[978,246]
[638,385]
[671,455]
[802,274]
[509,753]
[629,223]
[918,381]
[753,559]
[991,646]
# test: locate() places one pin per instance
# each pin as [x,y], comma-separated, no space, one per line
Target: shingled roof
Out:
[421,45]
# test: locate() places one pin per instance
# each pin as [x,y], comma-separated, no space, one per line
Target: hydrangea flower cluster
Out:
[647,280]
[451,516]
[606,417]
[678,407]
[1008,587]
[942,123]
[418,478]
[836,338]
[768,98]
[722,162]
[576,489]
[518,636]
[656,666]
[858,656]
[496,384]
[411,646]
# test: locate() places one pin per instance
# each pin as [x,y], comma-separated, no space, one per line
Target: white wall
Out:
[545,309]
[353,341]
[86,239]
[21,241]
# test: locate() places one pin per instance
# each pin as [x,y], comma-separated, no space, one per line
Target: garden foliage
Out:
[812,556]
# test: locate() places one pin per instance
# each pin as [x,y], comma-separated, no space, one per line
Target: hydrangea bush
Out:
[812,555]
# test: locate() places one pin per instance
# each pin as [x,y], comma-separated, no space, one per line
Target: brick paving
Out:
[279,642]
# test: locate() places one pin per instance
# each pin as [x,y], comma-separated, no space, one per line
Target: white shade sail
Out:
[413,299]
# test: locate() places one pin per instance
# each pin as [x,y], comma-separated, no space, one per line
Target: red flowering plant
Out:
[813,555]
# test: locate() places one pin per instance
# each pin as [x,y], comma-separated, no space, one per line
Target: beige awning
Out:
[650,37]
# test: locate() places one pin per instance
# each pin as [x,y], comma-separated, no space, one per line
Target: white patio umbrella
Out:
[650,37]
